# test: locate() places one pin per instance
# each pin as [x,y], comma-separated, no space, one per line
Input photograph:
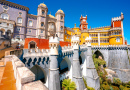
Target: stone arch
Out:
[99,54]
[66,65]
[80,60]
[40,73]
[32,45]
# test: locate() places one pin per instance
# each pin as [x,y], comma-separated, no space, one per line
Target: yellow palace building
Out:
[106,35]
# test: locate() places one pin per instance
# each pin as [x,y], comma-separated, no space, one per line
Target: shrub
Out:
[67,84]
[115,88]
[85,82]
[117,81]
[105,87]
[89,88]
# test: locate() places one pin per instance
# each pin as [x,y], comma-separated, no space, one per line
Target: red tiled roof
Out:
[43,43]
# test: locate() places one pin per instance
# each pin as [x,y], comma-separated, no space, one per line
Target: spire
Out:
[75,25]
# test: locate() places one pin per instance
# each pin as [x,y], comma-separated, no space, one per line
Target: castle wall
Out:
[118,61]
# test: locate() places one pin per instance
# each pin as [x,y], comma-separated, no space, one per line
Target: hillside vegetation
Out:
[105,83]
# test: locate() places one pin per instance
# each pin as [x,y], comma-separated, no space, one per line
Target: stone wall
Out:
[119,62]
[24,77]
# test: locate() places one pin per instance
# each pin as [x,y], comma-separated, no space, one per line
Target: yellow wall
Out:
[83,37]
[67,35]
[112,41]
[112,38]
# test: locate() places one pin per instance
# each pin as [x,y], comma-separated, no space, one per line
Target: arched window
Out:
[43,12]
[51,26]
[42,24]
[30,23]
[4,16]
[61,17]
[61,28]
[32,45]
[19,20]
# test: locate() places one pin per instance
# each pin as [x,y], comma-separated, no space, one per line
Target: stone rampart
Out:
[25,79]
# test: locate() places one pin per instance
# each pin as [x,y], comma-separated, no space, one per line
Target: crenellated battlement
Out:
[111,47]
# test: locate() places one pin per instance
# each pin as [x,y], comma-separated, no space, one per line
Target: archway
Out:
[40,73]
[99,55]
[32,45]
[63,66]
[80,60]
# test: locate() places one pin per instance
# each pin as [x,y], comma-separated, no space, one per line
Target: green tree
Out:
[67,84]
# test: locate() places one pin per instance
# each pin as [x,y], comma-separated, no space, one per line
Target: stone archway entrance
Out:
[40,73]
[99,55]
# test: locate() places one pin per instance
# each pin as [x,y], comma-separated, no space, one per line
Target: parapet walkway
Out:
[7,80]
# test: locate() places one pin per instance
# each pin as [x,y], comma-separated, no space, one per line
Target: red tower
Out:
[83,23]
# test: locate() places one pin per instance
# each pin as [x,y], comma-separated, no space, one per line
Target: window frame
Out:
[6,14]
[21,19]
[4,8]
[16,37]
[19,29]
[41,31]
[29,24]
[42,23]
[29,30]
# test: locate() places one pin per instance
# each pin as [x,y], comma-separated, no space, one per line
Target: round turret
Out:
[75,42]
[88,41]
[54,44]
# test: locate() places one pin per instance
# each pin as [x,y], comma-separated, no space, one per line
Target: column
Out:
[99,39]
[54,80]
[76,69]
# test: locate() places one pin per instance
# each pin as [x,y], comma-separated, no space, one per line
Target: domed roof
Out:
[42,4]
[60,11]
[51,16]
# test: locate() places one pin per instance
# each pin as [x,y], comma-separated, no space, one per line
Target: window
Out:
[30,23]
[29,30]
[65,31]
[117,39]
[51,25]
[4,16]
[41,31]
[18,37]
[18,29]
[42,24]
[5,7]
[20,13]
[61,28]
[61,17]
[84,27]
[83,36]
[43,12]
[76,31]
[19,20]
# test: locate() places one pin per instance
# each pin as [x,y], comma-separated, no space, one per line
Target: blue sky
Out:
[99,12]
